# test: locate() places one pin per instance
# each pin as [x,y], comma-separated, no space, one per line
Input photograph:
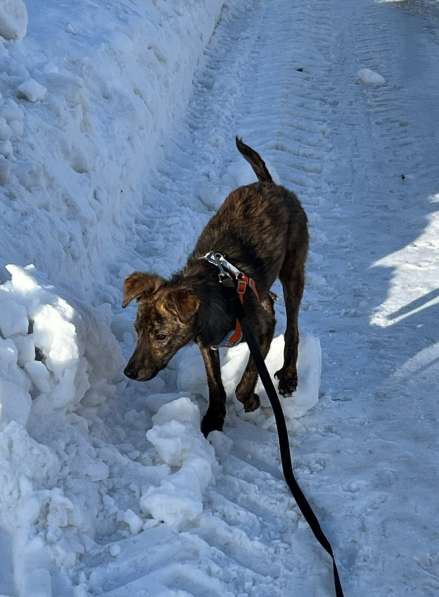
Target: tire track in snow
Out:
[188,178]
[372,212]
[248,489]
[390,127]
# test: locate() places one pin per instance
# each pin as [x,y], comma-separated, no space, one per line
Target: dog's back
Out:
[256,225]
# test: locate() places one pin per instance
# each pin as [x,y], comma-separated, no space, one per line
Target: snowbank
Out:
[40,353]
[88,98]
[48,348]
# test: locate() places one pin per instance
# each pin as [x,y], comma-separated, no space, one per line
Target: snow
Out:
[60,376]
[178,440]
[113,156]
[31,90]
[13,19]
[4,166]
[134,522]
[115,550]
[15,403]
[370,77]
[25,346]
[13,317]
[45,369]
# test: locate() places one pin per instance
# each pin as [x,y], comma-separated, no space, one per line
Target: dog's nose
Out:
[130,371]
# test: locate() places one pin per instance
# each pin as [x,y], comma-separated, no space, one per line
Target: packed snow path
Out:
[363,160]
[361,152]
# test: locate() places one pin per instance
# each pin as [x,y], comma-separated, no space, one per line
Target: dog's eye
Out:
[161,337]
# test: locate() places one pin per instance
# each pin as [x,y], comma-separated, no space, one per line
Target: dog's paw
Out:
[287,382]
[212,421]
[252,403]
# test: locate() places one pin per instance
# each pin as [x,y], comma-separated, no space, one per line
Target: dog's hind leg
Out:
[216,411]
[264,330]
[292,276]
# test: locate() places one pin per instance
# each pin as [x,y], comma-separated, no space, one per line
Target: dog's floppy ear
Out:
[183,303]
[140,283]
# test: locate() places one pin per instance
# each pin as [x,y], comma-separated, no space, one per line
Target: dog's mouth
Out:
[141,375]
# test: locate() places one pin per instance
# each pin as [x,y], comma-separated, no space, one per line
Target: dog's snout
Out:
[131,371]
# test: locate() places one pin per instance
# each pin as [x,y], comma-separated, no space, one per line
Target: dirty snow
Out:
[116,146]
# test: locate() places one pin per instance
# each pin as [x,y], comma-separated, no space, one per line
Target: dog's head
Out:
[165,322]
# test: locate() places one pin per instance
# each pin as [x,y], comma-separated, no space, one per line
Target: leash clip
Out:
[227,271]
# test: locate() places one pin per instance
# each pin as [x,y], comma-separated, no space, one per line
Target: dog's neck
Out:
[216,315]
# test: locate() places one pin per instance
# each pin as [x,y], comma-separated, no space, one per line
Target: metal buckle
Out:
[226,269]
[241,286]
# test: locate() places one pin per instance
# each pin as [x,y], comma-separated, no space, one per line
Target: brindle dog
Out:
[262,229]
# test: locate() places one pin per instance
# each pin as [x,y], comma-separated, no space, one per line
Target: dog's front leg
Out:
[263,326]
[216,411]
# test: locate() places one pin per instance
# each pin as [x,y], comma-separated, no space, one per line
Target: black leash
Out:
[230,276]
[284,446]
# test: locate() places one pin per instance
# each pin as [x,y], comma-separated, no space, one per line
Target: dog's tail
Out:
[255,161]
